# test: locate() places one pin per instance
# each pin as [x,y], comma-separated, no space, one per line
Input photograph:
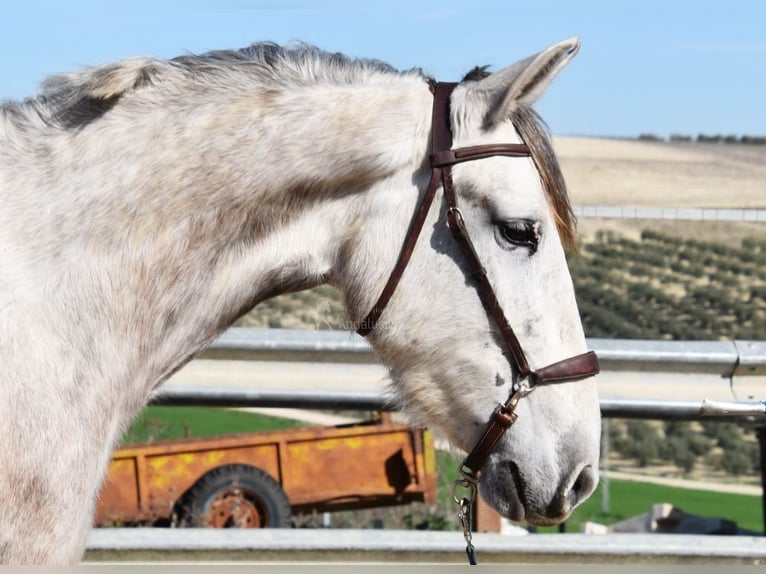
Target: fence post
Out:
[485,519]
[760,432]
[605,500]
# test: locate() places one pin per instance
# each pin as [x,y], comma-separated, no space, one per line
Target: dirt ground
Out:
[663,174]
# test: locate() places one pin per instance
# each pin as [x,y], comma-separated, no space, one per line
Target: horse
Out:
[147,204]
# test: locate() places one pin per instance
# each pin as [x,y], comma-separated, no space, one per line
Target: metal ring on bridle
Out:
[467,484]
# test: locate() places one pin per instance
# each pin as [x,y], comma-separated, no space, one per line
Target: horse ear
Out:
[113,81]
[525,81]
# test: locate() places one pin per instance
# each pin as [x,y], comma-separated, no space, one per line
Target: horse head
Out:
[449,364]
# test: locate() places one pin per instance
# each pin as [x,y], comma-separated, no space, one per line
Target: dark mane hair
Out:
[534,133]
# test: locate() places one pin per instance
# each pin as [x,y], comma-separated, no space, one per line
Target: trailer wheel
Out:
[235,496]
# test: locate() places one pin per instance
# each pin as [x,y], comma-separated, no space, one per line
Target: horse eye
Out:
[520,233]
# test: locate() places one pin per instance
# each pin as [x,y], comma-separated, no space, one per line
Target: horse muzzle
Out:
[505,488]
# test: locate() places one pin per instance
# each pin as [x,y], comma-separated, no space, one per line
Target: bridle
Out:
[442,159]
[575,368]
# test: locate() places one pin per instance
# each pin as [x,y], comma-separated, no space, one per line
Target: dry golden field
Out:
[663,174]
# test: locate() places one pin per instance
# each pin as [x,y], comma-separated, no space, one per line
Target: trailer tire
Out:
[235,496]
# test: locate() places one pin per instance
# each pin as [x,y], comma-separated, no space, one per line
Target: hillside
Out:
[666,287]
[663,174]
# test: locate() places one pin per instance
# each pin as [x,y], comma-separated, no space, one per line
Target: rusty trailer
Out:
[260,479]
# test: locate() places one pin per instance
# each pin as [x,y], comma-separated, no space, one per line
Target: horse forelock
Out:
[534,132]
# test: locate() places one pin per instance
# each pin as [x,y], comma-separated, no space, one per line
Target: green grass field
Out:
[167,423]
[628,498]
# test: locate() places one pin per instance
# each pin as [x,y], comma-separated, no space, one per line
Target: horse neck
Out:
[166,227]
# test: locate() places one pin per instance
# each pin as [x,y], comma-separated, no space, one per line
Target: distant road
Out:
[671,213]
[372,377]
[690,484]
[282,375]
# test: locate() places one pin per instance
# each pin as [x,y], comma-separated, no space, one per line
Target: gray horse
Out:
[145,205]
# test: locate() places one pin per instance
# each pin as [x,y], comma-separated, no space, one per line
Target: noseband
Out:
[442,159]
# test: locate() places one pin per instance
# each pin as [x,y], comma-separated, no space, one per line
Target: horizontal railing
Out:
[374,401]
[726,358]
[386,547]
[672,213]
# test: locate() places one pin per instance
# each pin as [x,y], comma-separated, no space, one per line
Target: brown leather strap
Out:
[416,226]
[499,423]
[479,275]
[569,370]
[471,153]
[441,132]
[440,136]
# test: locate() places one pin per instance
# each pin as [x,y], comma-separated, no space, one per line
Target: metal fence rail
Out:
[327,400]
[703,366]
[726,358]
[671,213]
[412,546]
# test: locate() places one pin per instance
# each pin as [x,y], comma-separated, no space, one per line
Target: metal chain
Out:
[464,504]
[464,515]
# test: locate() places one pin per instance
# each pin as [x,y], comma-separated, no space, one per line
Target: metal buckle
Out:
[457,214]
[468,475]
[519,390]
[469,485]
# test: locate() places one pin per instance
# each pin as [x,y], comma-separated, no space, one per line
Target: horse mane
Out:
[295,64]
[71,101]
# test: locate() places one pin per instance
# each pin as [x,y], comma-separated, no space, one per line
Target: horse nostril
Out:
[582,486]
[578,483]
[572,493]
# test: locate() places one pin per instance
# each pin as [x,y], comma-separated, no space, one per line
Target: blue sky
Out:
[659,66]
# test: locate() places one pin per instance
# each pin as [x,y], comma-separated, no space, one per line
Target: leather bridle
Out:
[442,159]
